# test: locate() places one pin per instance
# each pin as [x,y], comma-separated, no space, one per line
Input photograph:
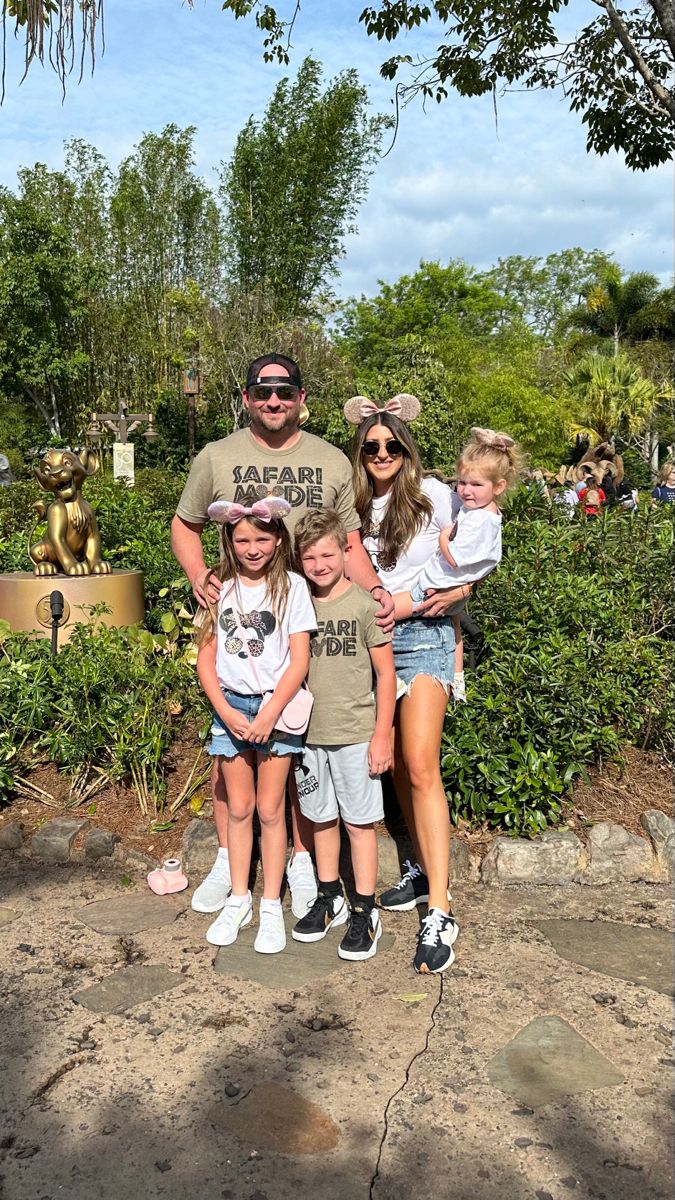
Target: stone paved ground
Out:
[539,1067]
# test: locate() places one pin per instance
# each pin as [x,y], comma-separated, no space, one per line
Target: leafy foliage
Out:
[579,626]
[294,183]
[615,71]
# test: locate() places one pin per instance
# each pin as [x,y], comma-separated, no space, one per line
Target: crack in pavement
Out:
[399,1090]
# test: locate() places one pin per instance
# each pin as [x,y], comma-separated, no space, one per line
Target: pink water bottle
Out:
[168,878]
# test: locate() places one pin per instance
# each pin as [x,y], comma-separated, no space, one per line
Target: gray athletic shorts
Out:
[333,781]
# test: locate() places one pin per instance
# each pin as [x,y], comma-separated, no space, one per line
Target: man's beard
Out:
[262,420]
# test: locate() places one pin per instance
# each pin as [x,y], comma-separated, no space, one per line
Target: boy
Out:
[348,739]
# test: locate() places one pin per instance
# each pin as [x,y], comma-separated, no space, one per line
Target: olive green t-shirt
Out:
[311,474]
[340,670]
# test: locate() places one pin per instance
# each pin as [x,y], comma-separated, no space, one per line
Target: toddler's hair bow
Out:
[225,512]
[403,405]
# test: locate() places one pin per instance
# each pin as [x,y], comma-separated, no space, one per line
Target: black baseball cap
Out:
[266,360]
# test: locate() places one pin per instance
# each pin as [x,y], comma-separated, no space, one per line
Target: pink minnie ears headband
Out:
[223,512]
[488,437]
[404,406]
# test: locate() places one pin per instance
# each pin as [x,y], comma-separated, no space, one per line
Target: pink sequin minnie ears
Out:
[404,406]
[224,512]
[488,437]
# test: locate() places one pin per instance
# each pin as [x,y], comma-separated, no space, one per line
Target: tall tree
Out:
[439,334]
[42,303]
[612,304]
[616,71]
[610,396]
[293,186]
[166,232]
[545,289]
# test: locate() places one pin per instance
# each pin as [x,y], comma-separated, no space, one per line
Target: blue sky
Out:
[453,186]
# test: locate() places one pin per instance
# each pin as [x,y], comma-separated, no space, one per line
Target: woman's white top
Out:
[245,612]
[476,548]
[401,575]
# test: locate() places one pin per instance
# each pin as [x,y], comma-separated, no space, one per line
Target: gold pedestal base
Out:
[24,600]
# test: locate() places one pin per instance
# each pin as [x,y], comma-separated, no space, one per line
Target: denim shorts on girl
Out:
[425,647]
[224,742]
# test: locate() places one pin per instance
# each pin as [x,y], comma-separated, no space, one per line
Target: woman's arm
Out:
[379,749]
[262,725]
[440,600]
[206,673]
[362,571]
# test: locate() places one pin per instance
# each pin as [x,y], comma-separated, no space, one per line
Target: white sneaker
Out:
[271,937]
[212,893]
[302,882]
[235,914]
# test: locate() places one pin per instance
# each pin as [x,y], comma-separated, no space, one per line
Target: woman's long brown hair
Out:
[409,509]
[276,579]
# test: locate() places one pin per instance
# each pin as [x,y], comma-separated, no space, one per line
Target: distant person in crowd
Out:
[564,493]
[348,744]
[273,454]
[6,473]
[626,495]
[664,492]
[591,498]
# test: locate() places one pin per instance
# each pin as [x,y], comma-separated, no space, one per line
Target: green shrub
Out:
[112,699]
[578,624]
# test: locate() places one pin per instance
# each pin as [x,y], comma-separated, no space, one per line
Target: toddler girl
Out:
[472,546]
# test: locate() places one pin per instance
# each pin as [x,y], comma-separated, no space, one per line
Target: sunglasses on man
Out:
[393,447]
[263,391]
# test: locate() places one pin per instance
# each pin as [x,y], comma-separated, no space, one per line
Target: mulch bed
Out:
[620,794]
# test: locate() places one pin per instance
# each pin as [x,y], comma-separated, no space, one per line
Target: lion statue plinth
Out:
[72,544]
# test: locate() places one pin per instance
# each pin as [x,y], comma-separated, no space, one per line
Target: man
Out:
[272,455]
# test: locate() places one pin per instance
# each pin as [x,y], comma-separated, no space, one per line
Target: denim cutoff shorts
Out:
[425,647]
[224,742]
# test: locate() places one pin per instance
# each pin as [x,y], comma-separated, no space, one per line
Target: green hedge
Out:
[578,624]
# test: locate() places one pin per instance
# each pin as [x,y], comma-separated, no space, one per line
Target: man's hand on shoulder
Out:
[385,616]
[213,589]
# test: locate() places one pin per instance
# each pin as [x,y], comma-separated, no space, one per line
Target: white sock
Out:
[239,899]
[272,905]
[223,853]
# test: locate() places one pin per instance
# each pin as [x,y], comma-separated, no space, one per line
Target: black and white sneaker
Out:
[434,945]
[362,936]
[325,912]
[412,889]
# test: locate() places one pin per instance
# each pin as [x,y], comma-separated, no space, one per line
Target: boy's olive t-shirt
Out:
[311,474]
[340,670]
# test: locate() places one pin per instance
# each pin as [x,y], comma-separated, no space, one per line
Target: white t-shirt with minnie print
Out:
[402,574]
[245,612]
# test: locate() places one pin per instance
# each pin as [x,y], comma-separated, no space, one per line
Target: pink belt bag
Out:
[294,716]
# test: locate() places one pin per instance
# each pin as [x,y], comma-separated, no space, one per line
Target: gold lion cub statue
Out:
[72,543]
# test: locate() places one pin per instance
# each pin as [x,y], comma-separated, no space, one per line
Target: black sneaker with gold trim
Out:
[363,933]
[325,912]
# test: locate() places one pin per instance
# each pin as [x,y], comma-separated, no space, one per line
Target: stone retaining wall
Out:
[611,854]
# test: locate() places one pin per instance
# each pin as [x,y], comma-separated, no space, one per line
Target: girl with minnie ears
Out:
[254,641]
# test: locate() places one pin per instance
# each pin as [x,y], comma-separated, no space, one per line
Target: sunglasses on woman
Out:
[393,447]
[284,391]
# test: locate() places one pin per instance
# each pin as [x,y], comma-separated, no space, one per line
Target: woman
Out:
[402,513]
